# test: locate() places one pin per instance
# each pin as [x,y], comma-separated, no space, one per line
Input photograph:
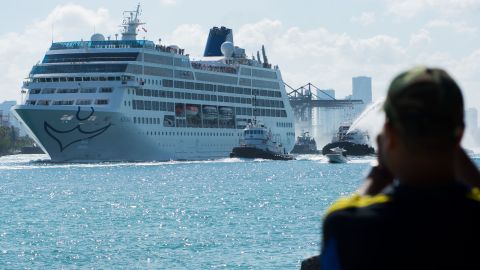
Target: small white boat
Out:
[337,155]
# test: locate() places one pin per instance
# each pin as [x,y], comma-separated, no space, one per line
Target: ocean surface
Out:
[221,214]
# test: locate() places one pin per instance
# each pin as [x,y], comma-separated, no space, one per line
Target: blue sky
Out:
[325,42]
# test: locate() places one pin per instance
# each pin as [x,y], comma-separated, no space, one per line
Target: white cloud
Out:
[366,18]
[168,2]
[20,51]
[420,38]
[326,58]
[411,8]
[406,8]
[192,37]
[457,26]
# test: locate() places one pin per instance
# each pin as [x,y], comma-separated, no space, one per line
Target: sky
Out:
[322,42]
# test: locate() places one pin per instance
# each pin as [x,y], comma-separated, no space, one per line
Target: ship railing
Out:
[201,66]
[102,44]
[169,49]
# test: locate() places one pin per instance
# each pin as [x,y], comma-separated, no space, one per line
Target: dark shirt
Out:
[404,228]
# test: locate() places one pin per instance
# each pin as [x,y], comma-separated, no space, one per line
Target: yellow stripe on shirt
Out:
[357,201]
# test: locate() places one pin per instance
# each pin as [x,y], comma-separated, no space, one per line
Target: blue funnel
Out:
[216,37]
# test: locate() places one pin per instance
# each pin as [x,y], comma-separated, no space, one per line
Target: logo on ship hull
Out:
[65,138]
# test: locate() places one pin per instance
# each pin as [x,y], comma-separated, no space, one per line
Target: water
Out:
[225,214]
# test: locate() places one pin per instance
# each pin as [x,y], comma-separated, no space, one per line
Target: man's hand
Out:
[465,169]
[379,177]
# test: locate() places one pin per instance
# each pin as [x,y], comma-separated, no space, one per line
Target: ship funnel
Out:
[216,38]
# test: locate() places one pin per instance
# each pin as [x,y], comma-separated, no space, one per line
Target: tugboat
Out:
[305,145]
[258,143]
[355,143]
[337,155]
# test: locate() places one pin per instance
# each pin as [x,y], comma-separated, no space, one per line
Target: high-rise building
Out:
[7,119]
[471,119]
[362,89]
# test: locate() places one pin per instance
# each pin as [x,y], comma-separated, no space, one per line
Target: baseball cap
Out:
[425,101]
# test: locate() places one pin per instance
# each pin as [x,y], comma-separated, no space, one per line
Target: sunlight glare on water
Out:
[222,214]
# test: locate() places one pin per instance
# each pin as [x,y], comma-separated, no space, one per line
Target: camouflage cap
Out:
[425,101]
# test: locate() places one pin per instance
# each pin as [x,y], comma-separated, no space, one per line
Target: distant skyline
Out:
[323,42]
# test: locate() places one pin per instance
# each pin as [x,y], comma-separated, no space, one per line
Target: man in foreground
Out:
[420,207]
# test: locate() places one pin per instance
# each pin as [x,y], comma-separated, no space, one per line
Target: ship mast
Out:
[130,24]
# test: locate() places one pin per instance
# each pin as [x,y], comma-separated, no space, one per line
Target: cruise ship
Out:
[129,99]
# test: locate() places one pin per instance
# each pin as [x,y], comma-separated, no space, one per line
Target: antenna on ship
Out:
[265,60]
[130,24]
[258,57]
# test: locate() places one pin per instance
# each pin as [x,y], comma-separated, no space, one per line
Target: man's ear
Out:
[391,137]
[458,135]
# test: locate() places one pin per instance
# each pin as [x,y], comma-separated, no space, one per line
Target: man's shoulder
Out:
[359,202]
[474,194]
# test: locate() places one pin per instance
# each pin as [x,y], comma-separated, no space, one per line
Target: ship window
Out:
[43,102]
[199,86]
[101,101]
[168,83]
[84,102]
[147,92]
[179,84]
[35,91]
[48,91]
[106,90]
[88,90]
[170,107]
[139,92]
[30,102]
[89,57]
[86,79]
[148,105]
[62,102]
[155,105]
[154,93]
[70,79]
[67,91]
[189,85]
[209,87]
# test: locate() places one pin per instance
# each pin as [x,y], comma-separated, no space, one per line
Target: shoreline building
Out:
[7,118]
[362,89]
[471,119]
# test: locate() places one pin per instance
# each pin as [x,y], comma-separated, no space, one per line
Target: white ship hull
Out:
[110,138]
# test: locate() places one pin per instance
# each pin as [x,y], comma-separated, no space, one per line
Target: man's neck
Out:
[427,171]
